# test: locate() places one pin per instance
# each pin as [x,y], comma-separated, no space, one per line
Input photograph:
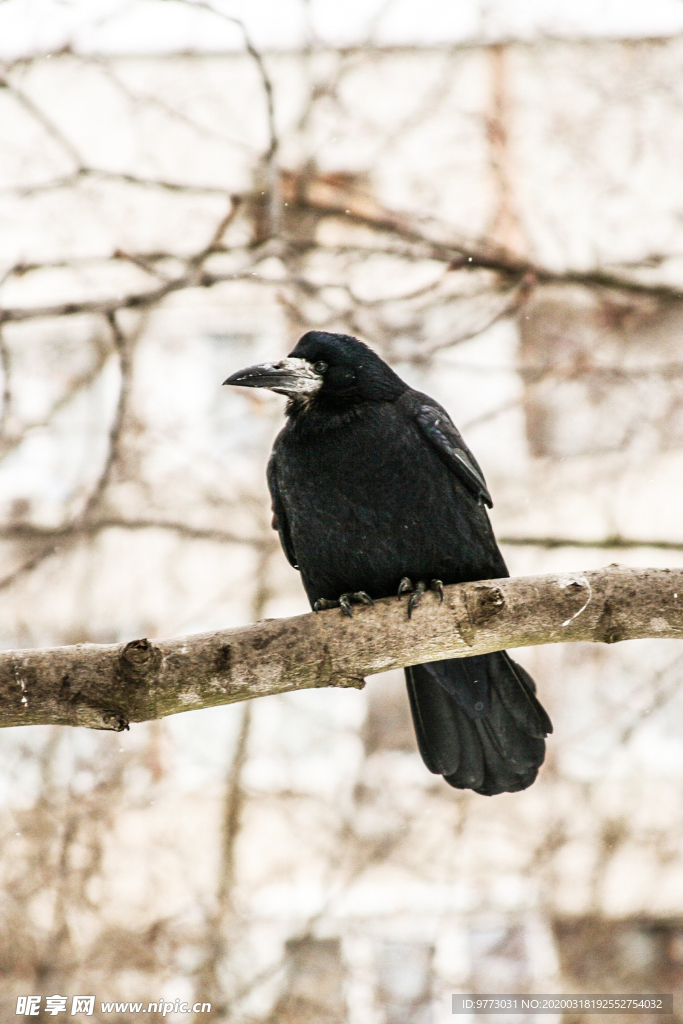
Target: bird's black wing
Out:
[438,428]
[279,522]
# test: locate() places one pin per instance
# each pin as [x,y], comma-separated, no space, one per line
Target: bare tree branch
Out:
[10,440]
[46,122]
[102,174]
[109,685]
[612,543]
[5,368]
[270,155]
[91,527]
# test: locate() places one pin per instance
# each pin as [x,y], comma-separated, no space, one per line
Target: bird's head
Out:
[326,369]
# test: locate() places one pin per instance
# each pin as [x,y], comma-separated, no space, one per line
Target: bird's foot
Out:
[416,590]
[345,602]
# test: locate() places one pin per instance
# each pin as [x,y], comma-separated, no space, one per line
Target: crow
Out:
[376,494]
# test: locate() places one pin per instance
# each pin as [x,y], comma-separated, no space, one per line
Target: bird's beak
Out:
[295,378]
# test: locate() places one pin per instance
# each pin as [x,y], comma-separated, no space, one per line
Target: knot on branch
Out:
[607,629]
[347,682]
[113,721]
[138,660]
[106,719]
[483,603]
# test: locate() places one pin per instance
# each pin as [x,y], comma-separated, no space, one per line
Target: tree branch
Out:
[612,543]
[109,685]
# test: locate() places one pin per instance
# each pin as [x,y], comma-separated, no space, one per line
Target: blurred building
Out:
[503,223]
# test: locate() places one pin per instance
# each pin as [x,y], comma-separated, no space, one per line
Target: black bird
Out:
[375,493]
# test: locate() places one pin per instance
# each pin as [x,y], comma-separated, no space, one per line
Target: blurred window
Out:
[314,990]
[404,978]
[600,372]
[598,955]
[500,959]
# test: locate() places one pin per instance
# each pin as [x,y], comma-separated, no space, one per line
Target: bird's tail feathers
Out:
[478,722]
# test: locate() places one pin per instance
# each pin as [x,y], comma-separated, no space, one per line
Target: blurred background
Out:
[491,195]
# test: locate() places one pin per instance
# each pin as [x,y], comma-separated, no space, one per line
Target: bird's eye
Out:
[320,366]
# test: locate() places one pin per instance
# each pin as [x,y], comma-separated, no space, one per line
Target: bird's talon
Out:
[405,587]
[344,602]
[437,586]
[357,597]
[415,598]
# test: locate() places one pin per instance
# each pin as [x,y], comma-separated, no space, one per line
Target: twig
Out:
[101,174]
[609,543]
[29,531]
[126,370]
[47,123]
[269,157]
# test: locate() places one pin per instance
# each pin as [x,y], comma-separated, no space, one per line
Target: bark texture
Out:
[107,686]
